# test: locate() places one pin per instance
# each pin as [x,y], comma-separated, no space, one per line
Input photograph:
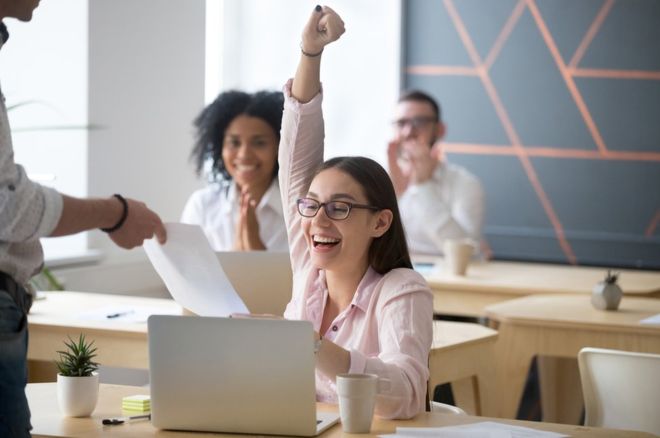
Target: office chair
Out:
[621,389]
[444,408]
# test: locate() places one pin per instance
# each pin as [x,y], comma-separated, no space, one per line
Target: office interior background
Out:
[552,103]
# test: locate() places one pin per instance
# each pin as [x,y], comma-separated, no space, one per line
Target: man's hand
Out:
[400,176]
[423,160]
[323,27]
[141,224]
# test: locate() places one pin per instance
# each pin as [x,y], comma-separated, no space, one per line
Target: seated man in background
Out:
[438,200]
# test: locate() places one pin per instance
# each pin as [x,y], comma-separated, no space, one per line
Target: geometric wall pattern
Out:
[555,106]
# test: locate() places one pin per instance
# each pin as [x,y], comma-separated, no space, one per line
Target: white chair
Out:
[444,408]
[621,389]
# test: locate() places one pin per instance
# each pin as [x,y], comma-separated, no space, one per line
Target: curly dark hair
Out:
[212,122]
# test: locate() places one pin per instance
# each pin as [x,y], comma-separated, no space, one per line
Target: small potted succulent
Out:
[606,294]
[77,380]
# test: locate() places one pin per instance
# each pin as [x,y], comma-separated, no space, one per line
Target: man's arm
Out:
[86,214]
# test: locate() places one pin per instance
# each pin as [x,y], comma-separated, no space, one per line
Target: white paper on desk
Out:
[486,429]
[124,314]
[654,320]
[192,272]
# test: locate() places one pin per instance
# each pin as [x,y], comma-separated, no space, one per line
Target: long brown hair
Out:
[390,250]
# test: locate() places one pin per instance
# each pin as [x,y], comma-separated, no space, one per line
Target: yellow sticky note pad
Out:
[140,403]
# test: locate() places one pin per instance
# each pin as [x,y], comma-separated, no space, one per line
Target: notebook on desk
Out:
[229,375]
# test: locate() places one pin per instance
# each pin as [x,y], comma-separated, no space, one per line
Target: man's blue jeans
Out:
[14,410]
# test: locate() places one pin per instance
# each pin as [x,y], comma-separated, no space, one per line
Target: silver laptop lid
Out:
[232,375]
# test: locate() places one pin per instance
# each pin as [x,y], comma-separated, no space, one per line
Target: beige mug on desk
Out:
[457,255]
[357,397]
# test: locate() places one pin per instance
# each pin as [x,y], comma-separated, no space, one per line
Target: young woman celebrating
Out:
[240,209]
[353,278]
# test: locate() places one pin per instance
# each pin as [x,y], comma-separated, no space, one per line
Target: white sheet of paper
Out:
[123,314]
[192,273]
[486,429]
[654,320]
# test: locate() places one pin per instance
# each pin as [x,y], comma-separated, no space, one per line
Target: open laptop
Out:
[234,375]
[262,279]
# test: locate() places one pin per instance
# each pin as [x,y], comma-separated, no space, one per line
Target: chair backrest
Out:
[621,389]
[444,408]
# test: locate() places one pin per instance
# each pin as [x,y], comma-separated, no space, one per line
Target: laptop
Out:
[262,279]
[233,375]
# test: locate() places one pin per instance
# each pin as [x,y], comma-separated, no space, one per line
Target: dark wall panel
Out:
[565,93]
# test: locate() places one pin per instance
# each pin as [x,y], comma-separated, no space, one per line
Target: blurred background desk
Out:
[492,282]
[47,420]
[559,326]
[121,340]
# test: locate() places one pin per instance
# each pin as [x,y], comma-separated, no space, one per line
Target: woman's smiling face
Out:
[249,151]
[337,245]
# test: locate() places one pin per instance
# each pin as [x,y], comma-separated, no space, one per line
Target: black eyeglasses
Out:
[335,210]
[414,122]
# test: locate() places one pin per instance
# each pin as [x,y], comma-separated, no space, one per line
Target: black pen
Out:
[118,314]
[122,420]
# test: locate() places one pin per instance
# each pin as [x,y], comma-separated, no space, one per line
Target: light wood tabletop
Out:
[121,340]
[48,422]
[560,326]
[490,282]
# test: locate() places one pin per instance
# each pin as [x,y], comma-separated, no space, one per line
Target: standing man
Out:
[438,200]
[29,211]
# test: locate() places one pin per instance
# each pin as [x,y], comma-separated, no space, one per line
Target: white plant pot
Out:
[77,396]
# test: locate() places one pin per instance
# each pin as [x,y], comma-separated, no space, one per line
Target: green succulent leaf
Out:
[76,360]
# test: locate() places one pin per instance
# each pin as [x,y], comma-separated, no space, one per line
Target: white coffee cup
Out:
[357,396]
[457,255]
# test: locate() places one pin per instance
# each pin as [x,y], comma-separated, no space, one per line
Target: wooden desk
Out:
[47,420]
[491,282]
[561,325]
[120,343]
[463,354]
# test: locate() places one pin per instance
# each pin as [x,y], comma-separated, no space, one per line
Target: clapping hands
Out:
[411,162]
[247,228]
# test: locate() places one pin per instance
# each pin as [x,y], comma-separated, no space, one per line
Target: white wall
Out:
[45,61]
[360,72]
[146,84]
[145,81]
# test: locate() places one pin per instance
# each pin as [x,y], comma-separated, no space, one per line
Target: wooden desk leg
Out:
[466,395]
[561,391]
[514,351]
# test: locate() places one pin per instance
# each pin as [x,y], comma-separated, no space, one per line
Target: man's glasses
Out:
[414,122]
[335,210]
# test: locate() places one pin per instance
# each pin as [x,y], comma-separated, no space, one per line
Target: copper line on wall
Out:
[591,33]
[551,152]
[504,34]
[442,70]
[570,83]
[615,74]
[654,222]
[511,132]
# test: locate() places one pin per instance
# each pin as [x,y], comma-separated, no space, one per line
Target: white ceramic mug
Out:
[457,255]
[357,396]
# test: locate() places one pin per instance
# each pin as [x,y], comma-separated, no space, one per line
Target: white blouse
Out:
[215,208]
